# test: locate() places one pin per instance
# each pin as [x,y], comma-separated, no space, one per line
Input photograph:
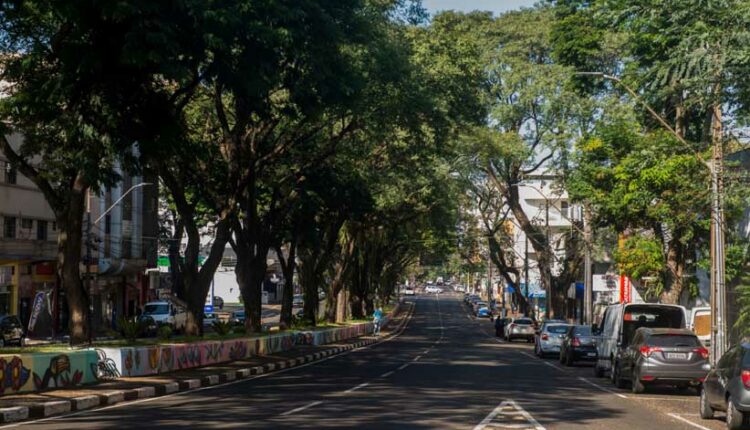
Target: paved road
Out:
[445,371]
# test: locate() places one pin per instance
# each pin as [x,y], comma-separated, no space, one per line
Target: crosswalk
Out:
[509,415]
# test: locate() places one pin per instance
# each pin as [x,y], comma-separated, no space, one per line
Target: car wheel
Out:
[616,377]
[637,386]
[707,412]
[735,418]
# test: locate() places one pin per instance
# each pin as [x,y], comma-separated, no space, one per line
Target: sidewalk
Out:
[56,402]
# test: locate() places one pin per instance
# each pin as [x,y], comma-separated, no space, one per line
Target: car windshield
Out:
[637,316]
[156,309]
[557,329]
[582,331]
[523,321]
[673,340]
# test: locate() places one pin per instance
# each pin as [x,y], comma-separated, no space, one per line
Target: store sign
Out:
[626,289]
[36,309]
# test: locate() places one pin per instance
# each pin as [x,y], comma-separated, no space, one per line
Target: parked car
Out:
[165,313]
[550,338]
[578,344]
[484,312]
[620,322]
[520,328]
[11,331]
[298,301]
[500,324]
[700,324]
[478,305]
[237,317]
[218,302]
[659,356]
[727,387]
[433,290]
[408,291]
[539,328]
[209,320]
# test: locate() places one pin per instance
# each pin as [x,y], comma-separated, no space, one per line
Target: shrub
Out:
[222,328]
[130,329]
[164,332]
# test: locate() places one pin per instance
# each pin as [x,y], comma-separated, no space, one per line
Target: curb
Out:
[59,407]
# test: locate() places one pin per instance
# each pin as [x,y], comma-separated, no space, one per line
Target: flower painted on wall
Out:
[13,375]
[58,374]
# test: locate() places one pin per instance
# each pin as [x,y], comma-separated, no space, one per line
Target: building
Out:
[28,236]
[124,229]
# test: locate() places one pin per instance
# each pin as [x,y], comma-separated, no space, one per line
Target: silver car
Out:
[550,339]
[661,356]
[520,328]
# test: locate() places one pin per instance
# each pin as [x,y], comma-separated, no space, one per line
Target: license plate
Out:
[677,355]
[590,354]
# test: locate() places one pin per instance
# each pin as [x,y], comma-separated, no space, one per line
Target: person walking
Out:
[376,317]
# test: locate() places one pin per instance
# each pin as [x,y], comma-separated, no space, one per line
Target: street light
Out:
[90,245]
[718,286]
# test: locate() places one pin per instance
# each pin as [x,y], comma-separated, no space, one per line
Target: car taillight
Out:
[512,326]
[702,351]
[575,342]
[746,378]
[647,350]
[545,337]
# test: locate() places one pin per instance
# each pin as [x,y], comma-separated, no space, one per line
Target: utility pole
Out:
[588,276]
[489,274]
[548,308]
[718,285]
[526,272]
[88,268]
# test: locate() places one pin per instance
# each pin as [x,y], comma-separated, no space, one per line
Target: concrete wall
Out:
[23,373]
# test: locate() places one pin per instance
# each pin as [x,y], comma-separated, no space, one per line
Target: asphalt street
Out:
[445,371]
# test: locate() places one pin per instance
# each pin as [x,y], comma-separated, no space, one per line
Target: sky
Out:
[496,6]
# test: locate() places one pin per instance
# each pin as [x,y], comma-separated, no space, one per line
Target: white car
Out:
[408,291]
[165,313]
[433,290]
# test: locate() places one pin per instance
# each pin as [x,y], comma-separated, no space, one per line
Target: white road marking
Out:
[403,366]
[687,421]
[603,388]
[387,374]
[517,410]
[362,385]
[301,408]
[416,358]
[554,365]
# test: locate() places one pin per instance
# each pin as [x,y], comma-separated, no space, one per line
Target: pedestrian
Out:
[499,326]
[376,317]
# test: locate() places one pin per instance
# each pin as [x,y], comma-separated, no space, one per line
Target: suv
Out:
[727,387]
[165,313]
[661,356]
[11,331]
[520,328]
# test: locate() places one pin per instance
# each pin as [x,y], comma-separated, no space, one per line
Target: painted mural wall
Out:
[23,373]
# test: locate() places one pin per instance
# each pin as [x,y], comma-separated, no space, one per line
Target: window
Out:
[9,227]
[27,223]
[107,224]
[54,225]
[670,340]
[41,230]
[564,209]
[10,174]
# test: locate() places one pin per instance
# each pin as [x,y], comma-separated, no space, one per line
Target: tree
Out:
[78,94]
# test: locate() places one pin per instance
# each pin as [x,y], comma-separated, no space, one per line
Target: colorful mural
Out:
[41,371]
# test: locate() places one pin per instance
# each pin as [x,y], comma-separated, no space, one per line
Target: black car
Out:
[11,331]
[727,388]
[578,344]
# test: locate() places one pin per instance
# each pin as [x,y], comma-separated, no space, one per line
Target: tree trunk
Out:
[341,305]
[69,246]
[287,298]
[309,280]
[250,278]
[675,270]
[357,307]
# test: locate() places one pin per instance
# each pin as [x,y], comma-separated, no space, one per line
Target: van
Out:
[700,323]
[164,313]
[620,322]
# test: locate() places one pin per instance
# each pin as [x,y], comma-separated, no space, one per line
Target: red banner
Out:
[626,289]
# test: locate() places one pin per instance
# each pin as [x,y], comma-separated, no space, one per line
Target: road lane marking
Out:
[362,385]
[555,366]
[387,374]
[416,358]
[301,408]
[403,366]
[687,421]
[603,388]
[507,414]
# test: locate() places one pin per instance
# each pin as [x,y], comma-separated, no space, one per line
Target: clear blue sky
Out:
[496,6]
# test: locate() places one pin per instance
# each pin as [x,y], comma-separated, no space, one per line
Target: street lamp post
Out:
[90,245]
[715,167]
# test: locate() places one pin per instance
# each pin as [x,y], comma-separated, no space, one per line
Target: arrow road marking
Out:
[509,415]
